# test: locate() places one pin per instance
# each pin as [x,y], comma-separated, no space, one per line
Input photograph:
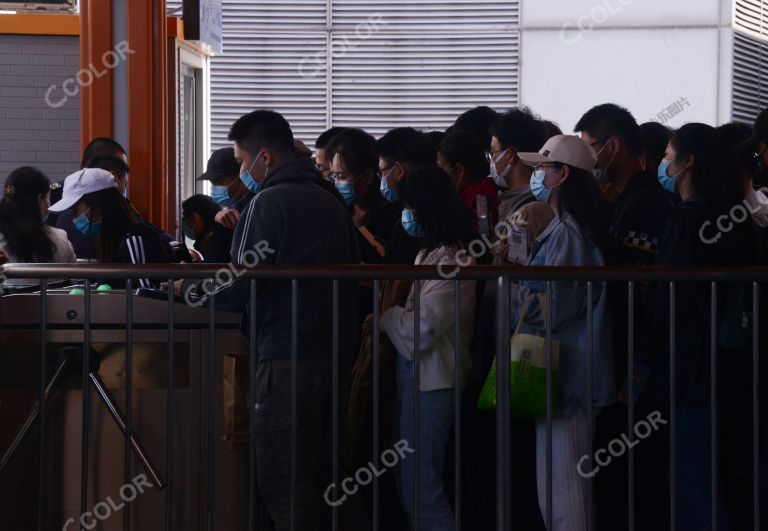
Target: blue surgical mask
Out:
[539,189]
[44,217]
[85,226]
[665,180]
[410,225]
[252,184]
[347,192]
[220,194]
[389,194]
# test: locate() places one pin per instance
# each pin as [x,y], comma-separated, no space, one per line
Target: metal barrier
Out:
[501,275]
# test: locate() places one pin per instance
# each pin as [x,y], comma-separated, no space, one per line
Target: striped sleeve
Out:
[137,254]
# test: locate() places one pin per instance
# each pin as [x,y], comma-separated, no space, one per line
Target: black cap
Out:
[759,133]
[221,163]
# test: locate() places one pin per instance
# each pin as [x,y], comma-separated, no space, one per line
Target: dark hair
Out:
[478,121]
[728,138]
[116,216]
[463,147]
[699,140]
[435,137]
[654,138]
[109,163]
[549,129]
[430,193]
[357,148]
[406,144]
[101,146]
[720,192]
[327,135]
[519,129]
[607,120]
[263,129]
[20,217]
[581,199]
[203,205]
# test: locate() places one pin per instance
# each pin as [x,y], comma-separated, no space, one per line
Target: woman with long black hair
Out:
[115,231]
[576,236]
[24,236]
[434,215]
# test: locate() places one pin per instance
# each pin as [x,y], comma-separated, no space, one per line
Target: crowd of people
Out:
[616,193]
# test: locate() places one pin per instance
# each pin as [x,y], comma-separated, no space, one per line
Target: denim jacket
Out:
[564,243]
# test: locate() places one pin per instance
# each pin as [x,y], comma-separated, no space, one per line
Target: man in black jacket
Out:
[291,221]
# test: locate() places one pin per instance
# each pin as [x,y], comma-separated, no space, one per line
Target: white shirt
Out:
[63,253]
[758,207]
[437,308]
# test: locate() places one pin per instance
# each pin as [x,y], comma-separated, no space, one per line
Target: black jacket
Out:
[293,221]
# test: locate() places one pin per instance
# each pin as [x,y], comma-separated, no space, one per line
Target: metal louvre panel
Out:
[424,82]
[271,72]
[751,16]
[750,89]
[430,15]
[256,17]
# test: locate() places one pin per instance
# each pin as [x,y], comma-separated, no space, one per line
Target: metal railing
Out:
[502,276]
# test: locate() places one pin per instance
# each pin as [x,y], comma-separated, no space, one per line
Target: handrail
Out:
[372,272]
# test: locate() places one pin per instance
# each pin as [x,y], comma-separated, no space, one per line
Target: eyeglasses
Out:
[385,172]
[490,156]
[757,155]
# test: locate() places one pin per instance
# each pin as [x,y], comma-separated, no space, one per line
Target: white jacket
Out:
[437,308]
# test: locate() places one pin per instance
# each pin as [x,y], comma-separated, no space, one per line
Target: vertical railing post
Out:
[335,398]
[755,407]
[211,380]
[550,404]
[672,412]
[631,404]
[128,395]
[503,408]
[294,394]
[41,401]
[252,464]
[457,409]
[416,397]
[86,398]
[590,406]
[376,397]
[713,403]
[169,404]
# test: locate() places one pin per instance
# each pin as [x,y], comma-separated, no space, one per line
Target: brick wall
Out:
[34,129]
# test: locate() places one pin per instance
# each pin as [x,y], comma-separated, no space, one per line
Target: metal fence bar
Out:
[169,415]
[457,411]
[42,407]
[503,407]
[590,407]
[755,407]
[376,396]
[211,387]
[128,397]
[416,398]
[335,398]
[713,405]
[294,393]
[86,398]
[550,405]
[631,404]
[672,412]
[252,464]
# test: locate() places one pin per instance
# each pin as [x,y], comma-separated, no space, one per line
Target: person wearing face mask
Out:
[198,223]
[114,230]
[434,215]
[462,157]
[515,130]
[96,148]
[24,236]
[693,154]
[322,161]
[576,236]
[639,205]
[400,151]
[354,166]
[227,189]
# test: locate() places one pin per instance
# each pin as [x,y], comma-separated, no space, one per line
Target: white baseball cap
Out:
[565,149]
[80,183]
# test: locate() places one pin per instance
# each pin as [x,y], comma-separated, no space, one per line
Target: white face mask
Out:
[500,178]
